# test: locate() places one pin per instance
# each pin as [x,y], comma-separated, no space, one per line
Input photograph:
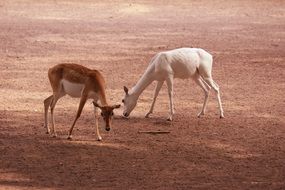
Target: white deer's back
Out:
[182,63]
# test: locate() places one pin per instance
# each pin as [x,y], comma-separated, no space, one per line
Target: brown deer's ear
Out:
[116,106]
[96,105]
[126,90]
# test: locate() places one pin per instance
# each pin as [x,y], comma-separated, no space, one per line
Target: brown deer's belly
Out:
[72,89]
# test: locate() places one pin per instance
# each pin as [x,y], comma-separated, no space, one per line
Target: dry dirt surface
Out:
[245,150]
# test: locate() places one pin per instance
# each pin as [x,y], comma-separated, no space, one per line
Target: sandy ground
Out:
[246,150]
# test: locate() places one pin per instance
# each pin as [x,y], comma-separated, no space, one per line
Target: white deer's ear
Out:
[126,90]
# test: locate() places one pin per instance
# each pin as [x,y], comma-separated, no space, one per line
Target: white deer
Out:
[80,82]
[178,63]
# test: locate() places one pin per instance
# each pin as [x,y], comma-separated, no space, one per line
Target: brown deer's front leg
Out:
[81,105]
[96,123]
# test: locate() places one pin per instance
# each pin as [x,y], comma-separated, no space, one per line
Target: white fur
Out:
[72,89]
[178,63]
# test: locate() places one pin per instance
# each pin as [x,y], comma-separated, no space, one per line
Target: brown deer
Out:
[78,82]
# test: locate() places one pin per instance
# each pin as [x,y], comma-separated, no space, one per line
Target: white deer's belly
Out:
[182,63]
[185,71]
[185,65]
[72,89]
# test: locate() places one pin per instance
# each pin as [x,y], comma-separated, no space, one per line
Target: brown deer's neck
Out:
[102,97]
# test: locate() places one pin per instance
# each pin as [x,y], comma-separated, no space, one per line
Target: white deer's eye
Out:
[123,100]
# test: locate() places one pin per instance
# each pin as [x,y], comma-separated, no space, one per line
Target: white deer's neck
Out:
[143,82]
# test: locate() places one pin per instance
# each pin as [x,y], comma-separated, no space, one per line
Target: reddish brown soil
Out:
[246,150]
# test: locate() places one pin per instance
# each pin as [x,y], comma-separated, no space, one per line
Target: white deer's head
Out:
[129,101]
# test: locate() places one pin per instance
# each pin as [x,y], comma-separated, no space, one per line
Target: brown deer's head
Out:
[107,114]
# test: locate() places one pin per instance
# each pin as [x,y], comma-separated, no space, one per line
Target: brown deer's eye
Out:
[112,113]
[102,114]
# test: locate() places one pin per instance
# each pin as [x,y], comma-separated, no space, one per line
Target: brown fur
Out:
[92,80]
[78,74]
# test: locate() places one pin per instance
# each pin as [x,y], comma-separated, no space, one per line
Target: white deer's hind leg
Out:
[96,124]
[206,89]
[215,86]
[206,84]
[169,82]
[157,89]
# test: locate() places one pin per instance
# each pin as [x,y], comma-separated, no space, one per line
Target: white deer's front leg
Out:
[157,89]
[169,82]
[96,124]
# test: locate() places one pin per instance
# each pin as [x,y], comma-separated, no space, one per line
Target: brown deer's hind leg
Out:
[56,97]
[47,103]
[96,124]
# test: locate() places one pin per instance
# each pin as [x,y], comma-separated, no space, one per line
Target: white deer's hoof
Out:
[222,116]
[99,138]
